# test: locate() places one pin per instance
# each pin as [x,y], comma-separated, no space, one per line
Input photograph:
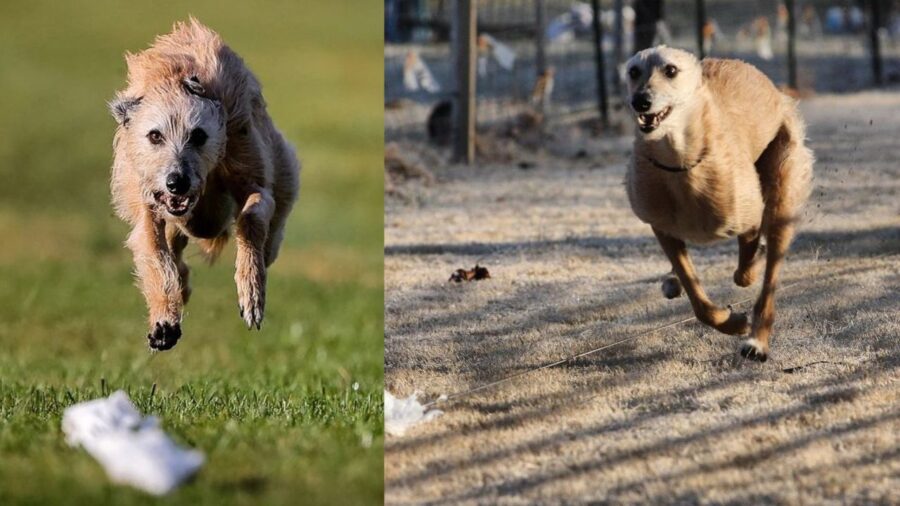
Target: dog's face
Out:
[661,80]
[172,137]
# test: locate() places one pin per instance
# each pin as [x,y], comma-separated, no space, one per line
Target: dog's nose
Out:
[178,183]
[641,102]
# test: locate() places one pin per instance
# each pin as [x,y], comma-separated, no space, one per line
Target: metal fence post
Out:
[465,31]
[874,25]
[701,21]
[619,50]
[540,26]
[601,65]
[792,43]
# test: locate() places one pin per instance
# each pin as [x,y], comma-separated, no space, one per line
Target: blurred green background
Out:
[291,413]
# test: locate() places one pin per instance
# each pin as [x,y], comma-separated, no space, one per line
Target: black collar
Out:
[683,168]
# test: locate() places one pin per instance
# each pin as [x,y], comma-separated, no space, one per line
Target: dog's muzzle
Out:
[648,122]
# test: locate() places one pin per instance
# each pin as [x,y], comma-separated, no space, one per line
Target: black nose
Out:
[641,102]
[178,183]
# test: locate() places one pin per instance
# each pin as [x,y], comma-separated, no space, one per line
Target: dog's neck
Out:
[679,148]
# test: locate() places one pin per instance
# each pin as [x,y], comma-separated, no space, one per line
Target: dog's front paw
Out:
[671,287]
[252,300]
[754,349]
[164,335]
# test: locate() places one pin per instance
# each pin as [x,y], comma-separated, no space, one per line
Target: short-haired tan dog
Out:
[195,152]
[719,153]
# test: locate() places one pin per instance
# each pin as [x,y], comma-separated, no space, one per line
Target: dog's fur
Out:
[727,160]
[213,134]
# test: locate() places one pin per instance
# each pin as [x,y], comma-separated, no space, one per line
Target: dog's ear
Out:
[192,85]
[122,107]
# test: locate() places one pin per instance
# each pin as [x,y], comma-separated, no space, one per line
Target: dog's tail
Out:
[787,168]
[212,248]
[798,163]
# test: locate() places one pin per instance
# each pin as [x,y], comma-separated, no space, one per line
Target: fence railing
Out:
[453,64]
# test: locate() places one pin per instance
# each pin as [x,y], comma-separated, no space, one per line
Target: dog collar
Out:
[683,168]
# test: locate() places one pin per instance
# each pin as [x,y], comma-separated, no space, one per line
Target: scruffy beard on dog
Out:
[196,155]
[719,153]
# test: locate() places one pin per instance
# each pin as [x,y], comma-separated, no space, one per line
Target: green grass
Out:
[276,412]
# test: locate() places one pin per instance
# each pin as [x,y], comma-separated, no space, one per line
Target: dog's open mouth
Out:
[176,205]
[648,122]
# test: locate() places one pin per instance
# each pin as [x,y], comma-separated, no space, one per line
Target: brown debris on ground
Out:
[476,273]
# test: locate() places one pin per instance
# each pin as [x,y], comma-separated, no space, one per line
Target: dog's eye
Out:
[198,137]
[155,137]
[671,71]
[634,72]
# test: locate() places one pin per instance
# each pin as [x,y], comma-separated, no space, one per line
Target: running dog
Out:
[195,152]
[719,153]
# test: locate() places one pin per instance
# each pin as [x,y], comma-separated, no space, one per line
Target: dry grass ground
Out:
[671,417]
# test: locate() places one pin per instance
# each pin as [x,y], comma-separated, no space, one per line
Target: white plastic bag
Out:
[402,413]
[132,449]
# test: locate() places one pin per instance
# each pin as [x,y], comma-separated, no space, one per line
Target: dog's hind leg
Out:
[276,231]
[284,192]
[719,318]
[749,254]
[778,240]
[157,275]
[785,171]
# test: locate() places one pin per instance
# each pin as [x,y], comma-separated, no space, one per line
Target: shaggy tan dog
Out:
[195,153]
[719,153]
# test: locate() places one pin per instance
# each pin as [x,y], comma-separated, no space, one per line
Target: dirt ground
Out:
[672,417]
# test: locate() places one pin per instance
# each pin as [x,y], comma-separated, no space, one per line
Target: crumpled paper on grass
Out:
[402,413]
[133,449]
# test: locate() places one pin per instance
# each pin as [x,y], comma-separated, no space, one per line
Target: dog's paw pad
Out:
[753,349]
[671,288]
[164,336]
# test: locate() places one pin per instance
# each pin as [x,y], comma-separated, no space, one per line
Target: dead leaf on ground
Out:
[476,273]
